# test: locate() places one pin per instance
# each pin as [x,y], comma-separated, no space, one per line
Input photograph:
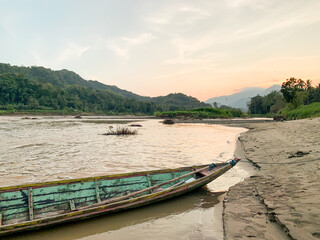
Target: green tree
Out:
[314,94]
[273,102]
[291,87]
[255,106]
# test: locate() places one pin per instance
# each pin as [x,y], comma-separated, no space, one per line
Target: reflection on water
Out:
[60,148]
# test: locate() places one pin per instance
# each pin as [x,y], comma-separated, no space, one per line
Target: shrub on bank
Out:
[304,111]
[203,113]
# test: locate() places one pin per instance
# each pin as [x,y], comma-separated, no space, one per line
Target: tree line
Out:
[20,93]
[200,113]
[294,93]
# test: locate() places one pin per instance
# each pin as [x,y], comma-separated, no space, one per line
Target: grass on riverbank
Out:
[305,111]
[203,113]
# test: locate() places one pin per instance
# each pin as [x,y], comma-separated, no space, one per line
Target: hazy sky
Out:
[203,48]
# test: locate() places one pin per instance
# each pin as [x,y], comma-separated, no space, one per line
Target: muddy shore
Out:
[282,200]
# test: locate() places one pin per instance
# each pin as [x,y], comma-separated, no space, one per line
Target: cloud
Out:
[291,20]
[42,56]
[192,51]
[119,51]
[124,45]
[176,15]
[142,39]
[71,51]
[254,4]
[186,71]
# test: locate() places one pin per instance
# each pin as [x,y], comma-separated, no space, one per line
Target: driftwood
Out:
[135,125]
[279,118]
[168,121]
[120,131]
[299,154]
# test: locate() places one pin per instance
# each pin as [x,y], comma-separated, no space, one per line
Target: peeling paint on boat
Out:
[36,205]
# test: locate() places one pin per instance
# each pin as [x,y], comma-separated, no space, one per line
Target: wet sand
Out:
[282,200]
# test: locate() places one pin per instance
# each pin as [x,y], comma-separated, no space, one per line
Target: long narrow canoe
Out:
[37,205]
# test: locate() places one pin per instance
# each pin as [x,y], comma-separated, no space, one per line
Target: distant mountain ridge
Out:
[240,99]
[64,78]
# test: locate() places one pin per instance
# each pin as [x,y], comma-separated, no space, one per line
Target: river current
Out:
[53,148]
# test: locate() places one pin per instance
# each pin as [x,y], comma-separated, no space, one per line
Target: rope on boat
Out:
[211,166]
[233,162]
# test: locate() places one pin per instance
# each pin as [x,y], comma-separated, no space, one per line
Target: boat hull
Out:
[102,209]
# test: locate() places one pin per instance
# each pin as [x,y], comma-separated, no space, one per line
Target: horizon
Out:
[205,49]
[236,90]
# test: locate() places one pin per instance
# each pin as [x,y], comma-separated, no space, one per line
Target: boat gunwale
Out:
[117,206]
[35,185]
[130,203]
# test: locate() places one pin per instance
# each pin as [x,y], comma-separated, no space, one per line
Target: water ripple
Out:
[59,148]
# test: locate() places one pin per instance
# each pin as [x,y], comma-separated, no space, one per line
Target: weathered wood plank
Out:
[13,206]
[19,212]
[30,204]
[81,193]
[77,201]
[65,195]
[81,190]
[72,207]
[12,198]
[122,181]
[42,198]
[122,188]
[88,179]
[7,219]
[62,207]
[127,196]
[97,191]
[73,188]
[161,178]
[63,188]
[149,182]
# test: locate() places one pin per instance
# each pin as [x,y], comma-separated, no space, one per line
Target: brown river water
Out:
[52,148]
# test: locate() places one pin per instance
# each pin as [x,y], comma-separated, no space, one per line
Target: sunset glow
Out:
[201,48]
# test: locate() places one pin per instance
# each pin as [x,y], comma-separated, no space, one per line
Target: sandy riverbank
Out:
[282,200]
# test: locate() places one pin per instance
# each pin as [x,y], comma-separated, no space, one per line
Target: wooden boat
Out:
[37,205]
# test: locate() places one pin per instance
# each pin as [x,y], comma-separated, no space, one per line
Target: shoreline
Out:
[281,200]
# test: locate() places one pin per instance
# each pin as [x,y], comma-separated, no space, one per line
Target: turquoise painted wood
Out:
[49,199]
[42,204]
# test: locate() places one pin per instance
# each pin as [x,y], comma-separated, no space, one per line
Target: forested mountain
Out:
[178,99]
[63,78]
[28,88]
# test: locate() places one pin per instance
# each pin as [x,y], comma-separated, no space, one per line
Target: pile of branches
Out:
[120,131]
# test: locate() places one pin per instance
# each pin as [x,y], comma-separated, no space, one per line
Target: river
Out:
[52,148]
